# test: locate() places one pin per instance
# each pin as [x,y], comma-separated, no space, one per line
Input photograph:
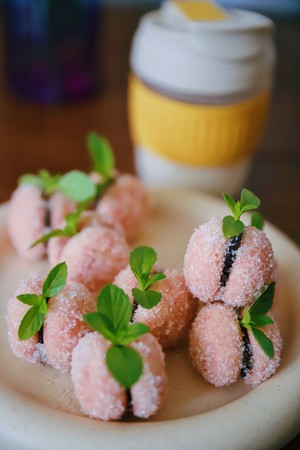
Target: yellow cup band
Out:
[192,134]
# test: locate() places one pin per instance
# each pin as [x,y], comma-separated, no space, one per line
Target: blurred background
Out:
[44,120]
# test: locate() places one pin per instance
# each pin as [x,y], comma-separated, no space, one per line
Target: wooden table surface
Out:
[53,137]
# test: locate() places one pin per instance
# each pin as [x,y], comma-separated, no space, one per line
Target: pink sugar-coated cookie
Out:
[127,203]
[26,221]
[95,255]
[28,350]
[216,347]
[263,366]
[170,320]
[63,325]
[252,270]
[216,344]
[59,207]
[100,395]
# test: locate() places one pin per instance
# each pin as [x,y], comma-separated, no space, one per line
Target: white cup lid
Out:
[189,54]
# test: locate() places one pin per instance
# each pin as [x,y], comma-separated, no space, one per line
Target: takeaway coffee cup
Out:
[199,93]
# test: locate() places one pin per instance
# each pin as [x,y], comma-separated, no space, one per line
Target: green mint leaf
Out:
[133,332]
[72,219]
[29,178]
[147,299]
[48,236]
[141,261]
[246,317]
[102,325]
[257,220]
[102,155]
[248,201]
[30,299]
[264,302]
[43,306]
[77,186]
[232,227]
[55,281]
[49,181]
[260,321]
[229,202]
[265,343]
[31,323]
[125,364]
[157,277]
[113,303]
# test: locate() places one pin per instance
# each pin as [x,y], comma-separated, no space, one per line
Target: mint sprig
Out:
[141,261]
[257,220]
[255,318]
[34,318]
[112,320]
[75,184]
[232,225]
[102,155]
[71,227]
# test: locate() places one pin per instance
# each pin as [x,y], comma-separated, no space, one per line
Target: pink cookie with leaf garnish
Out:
[222,354]
[95,256]
[253,267]
[101,396]
[30,214]
[63,324]
[171,318]
[126,201]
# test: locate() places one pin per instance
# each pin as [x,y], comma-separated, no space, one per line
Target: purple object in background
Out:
[52,49]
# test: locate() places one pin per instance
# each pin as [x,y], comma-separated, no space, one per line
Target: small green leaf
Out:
[141,261]
[31,323]
[133,332]
[147,299]
[30,299]
[229,202]
[102,155]
[72,219]
[113,303]
[102,325]
[43,306]
[49,181]
[248,201]
[56,280]
[232,227]
[264,302]
[48,236]
[246,317]
[77,186]
[157,277]
[260,321]
[29,178]
[265,343]
[257,220]
[125,364]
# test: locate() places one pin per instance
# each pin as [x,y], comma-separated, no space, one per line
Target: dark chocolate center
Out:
[247,354]
[230,255]
[134,308]
[47,214]
[129,401]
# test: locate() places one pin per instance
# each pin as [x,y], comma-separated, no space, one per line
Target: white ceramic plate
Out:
[38,409]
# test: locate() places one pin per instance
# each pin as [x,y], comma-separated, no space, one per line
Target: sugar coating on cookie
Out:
[170,319]
[95,256]
[26,221]
[59,206]
[99,394]
[127,203]
[28,350]
[216,345]
[64,324]
[149,392]
[252,270]
[263,366]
